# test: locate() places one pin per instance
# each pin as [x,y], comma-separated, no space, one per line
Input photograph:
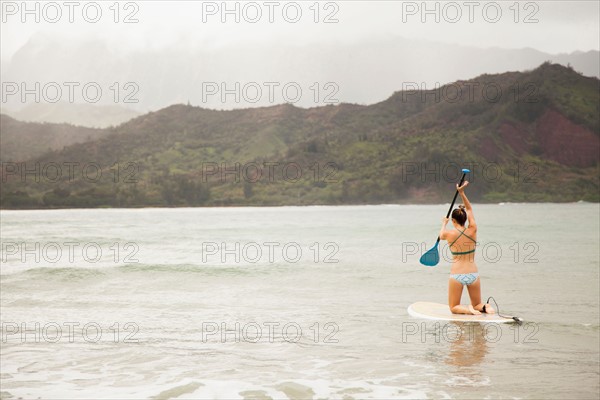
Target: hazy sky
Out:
[549,26]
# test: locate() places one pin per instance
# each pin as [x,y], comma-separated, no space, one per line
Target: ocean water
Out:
[293,302]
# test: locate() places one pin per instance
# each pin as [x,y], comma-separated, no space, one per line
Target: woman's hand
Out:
[462,187]
[445,221]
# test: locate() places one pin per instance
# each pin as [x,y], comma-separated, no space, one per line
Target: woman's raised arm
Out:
[467,203]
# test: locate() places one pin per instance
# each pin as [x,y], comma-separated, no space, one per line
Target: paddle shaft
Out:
[454,199]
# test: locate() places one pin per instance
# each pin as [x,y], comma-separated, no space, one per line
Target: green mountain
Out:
[531,136]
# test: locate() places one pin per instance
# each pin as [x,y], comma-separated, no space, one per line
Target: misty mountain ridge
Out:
[89,115]
[22,141]
[545,143]
[360,73]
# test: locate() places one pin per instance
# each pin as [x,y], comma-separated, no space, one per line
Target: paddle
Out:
[432,257]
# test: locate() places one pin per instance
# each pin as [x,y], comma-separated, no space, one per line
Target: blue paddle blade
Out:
[432,257]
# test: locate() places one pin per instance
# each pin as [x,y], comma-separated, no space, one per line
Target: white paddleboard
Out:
[441,312]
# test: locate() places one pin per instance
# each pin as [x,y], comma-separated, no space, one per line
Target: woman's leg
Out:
[475,295]
[455,289]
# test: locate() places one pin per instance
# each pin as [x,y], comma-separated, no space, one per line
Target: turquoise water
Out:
[293,302]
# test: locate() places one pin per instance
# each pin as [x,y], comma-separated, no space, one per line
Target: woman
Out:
[464,271]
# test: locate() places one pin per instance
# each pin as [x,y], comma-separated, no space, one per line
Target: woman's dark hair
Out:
[460,215]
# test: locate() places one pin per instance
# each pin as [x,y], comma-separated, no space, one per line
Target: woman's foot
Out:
[488,309]
[474,311]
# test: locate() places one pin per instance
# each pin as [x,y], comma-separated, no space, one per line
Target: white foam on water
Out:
[466,381]
[314,388]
